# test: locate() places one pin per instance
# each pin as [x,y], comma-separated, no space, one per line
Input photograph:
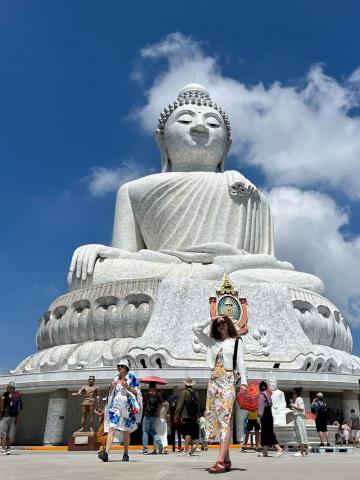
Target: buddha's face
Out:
[195,138]
[273,384]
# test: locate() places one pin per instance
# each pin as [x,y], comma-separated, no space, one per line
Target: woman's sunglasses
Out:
[219,324]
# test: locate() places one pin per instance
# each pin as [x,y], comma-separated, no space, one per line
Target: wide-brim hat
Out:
[189,382]
[123,362]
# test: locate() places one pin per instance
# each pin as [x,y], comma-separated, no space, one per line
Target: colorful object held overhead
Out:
[227,302]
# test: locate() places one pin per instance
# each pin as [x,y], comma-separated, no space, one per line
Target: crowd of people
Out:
[127,407]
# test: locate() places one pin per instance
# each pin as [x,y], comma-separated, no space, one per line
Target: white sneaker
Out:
[298,454]
[184,454]
[3,452]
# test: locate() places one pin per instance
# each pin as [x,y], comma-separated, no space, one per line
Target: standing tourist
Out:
[161,424]
[345,433]
[152,402]
[355,427]
[123,410]
[265,418]
[204,427]
[225,356]
[251,424]
[298,408]
[319,407]
[174,424]
[11,405]
[188,410]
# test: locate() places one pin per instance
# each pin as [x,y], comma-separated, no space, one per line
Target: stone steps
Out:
[336,449]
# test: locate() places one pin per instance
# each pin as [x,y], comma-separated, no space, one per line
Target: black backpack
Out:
[152,405]
[322,408]
[15,405]
[193,404]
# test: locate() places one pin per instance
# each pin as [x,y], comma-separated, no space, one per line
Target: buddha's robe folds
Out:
[183,212]
[195,225]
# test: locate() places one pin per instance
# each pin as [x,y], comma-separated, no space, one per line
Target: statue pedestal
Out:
[82,441]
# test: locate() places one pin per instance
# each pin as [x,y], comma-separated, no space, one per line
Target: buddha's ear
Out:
[228,147]
[221,165]
[164,156]
[158,139]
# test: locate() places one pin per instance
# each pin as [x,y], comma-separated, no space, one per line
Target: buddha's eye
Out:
[185,119]
[212,122]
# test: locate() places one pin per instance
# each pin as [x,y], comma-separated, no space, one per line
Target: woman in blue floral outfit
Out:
[123,410]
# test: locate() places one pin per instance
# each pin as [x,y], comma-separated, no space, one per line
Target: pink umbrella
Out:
[250,399]
[154,379]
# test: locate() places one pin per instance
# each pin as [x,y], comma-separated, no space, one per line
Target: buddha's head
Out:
[273,384]
[193,133]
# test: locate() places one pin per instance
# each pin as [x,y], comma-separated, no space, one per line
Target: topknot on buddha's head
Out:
[193,94]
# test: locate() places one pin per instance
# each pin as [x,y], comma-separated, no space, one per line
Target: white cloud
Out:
[102,180]
[308,234]
[301,136]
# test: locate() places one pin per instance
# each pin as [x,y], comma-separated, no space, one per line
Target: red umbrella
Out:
[153,379]
[250,399]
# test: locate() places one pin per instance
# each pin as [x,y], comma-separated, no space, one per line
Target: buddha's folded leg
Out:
[285,277]
[232,263]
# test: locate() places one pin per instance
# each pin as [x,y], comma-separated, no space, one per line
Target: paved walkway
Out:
[21,465]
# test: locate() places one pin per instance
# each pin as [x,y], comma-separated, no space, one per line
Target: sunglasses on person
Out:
[221,323]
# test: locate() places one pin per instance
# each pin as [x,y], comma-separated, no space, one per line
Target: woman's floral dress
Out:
[220,400]
[124,408]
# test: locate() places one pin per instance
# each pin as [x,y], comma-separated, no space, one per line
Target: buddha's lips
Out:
[202,138]
[200,135]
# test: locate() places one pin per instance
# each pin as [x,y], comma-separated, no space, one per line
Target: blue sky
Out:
[79,90]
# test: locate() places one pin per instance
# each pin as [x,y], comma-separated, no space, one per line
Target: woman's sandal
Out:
[219,467]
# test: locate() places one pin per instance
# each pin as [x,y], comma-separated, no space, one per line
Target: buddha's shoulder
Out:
[229,177]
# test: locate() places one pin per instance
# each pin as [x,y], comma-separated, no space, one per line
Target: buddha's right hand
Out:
[84,258]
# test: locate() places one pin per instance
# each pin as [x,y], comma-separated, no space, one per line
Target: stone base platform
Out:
[82,441]
[285,435]
[335,449]
[150,322]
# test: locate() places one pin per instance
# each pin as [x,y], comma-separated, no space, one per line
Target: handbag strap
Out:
[235,353]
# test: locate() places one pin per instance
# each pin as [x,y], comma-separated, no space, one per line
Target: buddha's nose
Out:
[199,128]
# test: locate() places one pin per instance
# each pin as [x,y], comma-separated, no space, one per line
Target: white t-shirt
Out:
[299,403]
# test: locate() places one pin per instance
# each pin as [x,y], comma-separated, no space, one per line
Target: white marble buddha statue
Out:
[279,408]
[193,219]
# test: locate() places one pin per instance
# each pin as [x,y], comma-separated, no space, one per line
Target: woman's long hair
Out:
[263,386]
[298,391]
[214,332]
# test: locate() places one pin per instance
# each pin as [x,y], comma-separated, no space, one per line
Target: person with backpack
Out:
[187,410]
[355,427]
[320,409]
[11,405]
[153,401]
[225,356]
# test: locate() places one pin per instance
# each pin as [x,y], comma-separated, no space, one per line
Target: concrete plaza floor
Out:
[21,465]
